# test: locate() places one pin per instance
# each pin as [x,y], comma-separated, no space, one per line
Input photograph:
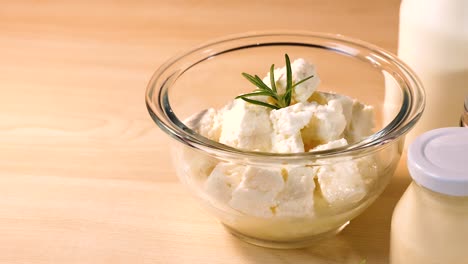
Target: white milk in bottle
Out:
[433,41]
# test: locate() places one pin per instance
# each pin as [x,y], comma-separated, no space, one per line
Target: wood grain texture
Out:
[84,172]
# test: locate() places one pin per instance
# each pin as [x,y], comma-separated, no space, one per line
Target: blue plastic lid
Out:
[438,160]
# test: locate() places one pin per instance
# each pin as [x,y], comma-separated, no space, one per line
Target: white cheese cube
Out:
[300,70]
[346,181]
[341,184]
[246,126]
[345,101]
[297,197]
[223,180]
[206,123]
[256,194]
[195,165]
[359,117]
[327,124]
[361,124]
[287,125]
[369,170]
[332,144]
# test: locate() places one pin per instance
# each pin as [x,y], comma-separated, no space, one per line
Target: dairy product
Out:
[314,121]
[331,144]
[207,123]
[287,126]
[301,69]
[361,123]
[223,180]
[430,222]
[360,118]
[341,183]
[434,43]
[246,126]
[256,193]
[327,124]
[296,198]
[428,227]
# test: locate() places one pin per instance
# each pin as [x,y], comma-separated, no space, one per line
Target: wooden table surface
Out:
[84,172]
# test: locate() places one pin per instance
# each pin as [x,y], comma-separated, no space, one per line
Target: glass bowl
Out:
[209,76]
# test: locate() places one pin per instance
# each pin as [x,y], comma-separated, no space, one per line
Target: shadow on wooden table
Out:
[367,236]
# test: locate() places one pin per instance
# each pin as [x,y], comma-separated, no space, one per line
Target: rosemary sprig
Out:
[279,100]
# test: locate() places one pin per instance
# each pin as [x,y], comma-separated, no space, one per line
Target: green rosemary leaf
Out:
[257,93]
[281,100]
[301,81]
[262,84]
[258,102]
[252,79]
[287,97]
[289,86]
[272,78]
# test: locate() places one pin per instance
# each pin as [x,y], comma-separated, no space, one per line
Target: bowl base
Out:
[302,243]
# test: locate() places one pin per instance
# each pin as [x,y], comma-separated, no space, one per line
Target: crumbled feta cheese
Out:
[300,69]
[359,117]
[332,144]
[362,122]
[287,125]
[315,121]
[327,124]
[246,126]
[345,101]
[223,180]
[297,197]
[341,183]
[257,191]
[206,123]
[368,169]
[197,166]
[346,181]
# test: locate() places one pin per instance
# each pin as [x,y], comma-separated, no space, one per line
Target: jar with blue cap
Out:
[430,222]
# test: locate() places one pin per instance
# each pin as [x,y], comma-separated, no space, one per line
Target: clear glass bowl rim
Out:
[161,112]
